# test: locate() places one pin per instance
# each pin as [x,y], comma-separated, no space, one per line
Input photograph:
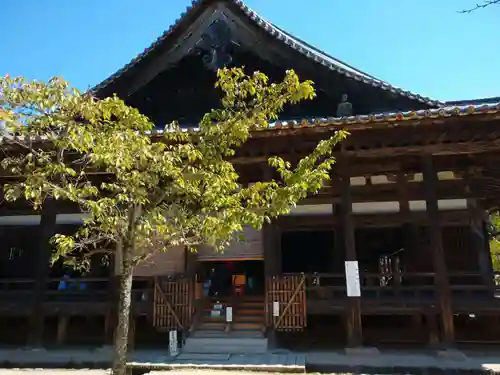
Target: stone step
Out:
[232,345]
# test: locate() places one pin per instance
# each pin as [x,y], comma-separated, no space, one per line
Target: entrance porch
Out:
[400,286]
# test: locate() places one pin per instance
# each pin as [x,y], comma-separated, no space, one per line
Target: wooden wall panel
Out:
[169,263]
[250,248]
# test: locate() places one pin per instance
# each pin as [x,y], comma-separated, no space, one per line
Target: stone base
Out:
[451,354]
[105,348]
[362,350]
[33,349]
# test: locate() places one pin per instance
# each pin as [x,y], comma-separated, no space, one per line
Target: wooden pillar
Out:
[113,297]
[408,228]
[272,249]
[338,247]
[271,237]
[432,328]
[47,229]
[190,262]
[353,313]
[131,331]
[438,255]
[62,329]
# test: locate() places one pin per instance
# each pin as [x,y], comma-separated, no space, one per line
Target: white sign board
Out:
[172,345]
[229,314]
[276,309]
[352,278]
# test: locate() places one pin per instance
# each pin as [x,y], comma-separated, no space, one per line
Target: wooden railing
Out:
[319,286]
[414,286]
[472,285]
[71,290]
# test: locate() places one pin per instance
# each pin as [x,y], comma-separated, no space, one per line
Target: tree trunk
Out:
[121,332]
[126,255]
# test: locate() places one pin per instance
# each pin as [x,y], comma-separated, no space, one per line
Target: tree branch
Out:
[483,5]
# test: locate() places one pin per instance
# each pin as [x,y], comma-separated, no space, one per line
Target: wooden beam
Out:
[353,313]
[446,189]
[437,149]
[326,222]
[438,255]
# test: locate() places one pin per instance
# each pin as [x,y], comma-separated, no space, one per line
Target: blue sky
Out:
[424,46]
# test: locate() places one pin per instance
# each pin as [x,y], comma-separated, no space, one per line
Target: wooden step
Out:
[212,326]
[246,326]
[249,312]
[250,297]
[251,303]
[248,318]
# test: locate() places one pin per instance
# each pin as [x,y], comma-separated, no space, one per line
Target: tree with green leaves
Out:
[494,232]
[144,194]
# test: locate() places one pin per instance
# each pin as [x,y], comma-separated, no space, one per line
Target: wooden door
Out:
[286,302]
[173,303]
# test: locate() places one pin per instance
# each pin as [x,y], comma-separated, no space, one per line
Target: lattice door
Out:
[173,307]
[457,245]
[286,302]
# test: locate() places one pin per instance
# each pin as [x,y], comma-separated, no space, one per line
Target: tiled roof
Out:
[293,42]
[476,102]
[388,117]
[438,113]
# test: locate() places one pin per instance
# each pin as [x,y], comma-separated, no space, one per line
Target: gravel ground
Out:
[40,371]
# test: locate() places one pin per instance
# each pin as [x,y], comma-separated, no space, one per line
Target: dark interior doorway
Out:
[307,251]
[222,276]
[380,250]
